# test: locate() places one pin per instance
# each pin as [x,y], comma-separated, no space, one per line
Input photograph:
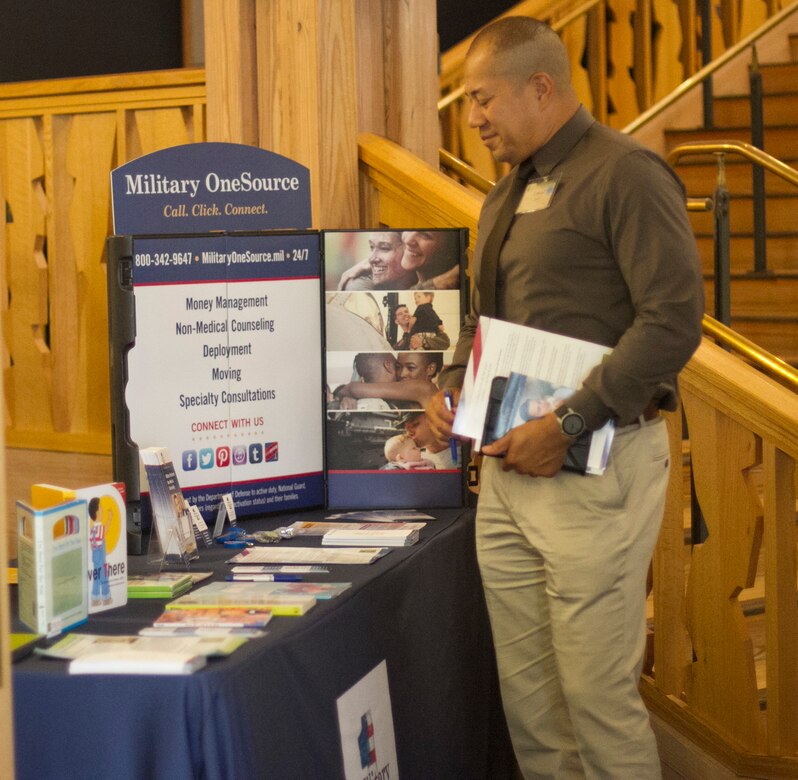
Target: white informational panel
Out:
[223,361]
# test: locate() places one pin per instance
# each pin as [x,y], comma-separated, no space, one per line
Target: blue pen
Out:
[447,399]
[263,578]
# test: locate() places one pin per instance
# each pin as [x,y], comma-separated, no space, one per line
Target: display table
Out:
[269,710]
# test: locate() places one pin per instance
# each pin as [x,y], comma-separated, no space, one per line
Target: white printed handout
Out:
[548,365]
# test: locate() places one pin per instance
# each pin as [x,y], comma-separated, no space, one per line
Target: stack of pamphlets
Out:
[384,537]
[311,528]
[179,622]
[275,596]
[380,515]
[308,555]
[161,585]
[93,654]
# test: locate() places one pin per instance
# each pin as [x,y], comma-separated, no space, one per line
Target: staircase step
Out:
[700,176]
[781,214]
[759,297]
[781,76]
[780,140]
[793,39]
[782,253]
[777,109]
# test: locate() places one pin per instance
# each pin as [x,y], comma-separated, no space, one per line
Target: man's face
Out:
[412,366]
[402,317]
[505,110]
[385,257]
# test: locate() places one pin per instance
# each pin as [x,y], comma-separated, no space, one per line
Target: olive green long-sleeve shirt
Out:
[611,260]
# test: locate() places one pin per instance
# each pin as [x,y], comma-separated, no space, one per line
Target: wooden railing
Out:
[625,57]
[743,430]
[58,142]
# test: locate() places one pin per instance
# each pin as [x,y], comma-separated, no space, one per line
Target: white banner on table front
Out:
[365,721]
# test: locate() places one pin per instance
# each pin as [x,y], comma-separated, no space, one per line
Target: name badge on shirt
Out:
[538,194]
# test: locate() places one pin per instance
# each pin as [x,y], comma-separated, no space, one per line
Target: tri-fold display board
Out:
[286,366]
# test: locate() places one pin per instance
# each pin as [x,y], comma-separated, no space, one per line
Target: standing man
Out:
[587,237]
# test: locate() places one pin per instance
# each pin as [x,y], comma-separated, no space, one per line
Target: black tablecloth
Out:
[269,710]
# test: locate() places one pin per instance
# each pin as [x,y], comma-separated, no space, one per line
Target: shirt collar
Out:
[561,143]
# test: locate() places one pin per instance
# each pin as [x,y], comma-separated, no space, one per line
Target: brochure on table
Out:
[216,339]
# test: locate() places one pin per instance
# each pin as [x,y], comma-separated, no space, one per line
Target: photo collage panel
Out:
[394,304]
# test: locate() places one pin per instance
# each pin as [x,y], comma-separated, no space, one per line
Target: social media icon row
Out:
[222,457]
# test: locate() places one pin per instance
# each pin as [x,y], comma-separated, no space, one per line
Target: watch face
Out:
[572,424]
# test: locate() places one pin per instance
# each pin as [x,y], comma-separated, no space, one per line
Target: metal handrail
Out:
[696,79]
[770,163]
[766,362]
[558,26]
[769,364]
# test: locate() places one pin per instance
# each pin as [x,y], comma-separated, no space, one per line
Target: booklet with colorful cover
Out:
[213,617]
[247,594]
[520,398]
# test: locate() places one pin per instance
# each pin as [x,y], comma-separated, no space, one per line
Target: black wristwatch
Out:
[572,424]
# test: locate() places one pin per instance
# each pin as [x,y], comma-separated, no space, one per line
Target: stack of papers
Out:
[281,554]
[394,537]
[130,662]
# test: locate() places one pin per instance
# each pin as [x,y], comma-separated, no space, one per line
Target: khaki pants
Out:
[564,563]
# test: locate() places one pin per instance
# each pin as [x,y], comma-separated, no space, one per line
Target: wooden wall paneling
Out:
[308,99]
[68,376]
[575,40]
[596,27]
[6,693]
[231,71]
[672,650]
[28,380]
[668,72]
[781,611]
[90,154]
[644,77]
[159,128]
[620,86]
[689,51]
[5,318]
[720,568]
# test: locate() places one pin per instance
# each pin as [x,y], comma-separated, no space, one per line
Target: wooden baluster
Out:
[781,610]
[722,453]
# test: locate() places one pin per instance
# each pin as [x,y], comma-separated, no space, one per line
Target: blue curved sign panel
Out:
[199,188]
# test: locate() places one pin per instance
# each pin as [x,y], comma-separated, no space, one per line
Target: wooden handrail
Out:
[696,79]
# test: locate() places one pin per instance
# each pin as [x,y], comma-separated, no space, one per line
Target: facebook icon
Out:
[189,460]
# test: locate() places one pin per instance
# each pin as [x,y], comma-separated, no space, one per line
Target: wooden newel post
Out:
[303,77]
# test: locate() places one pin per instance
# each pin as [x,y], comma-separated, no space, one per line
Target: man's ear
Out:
[542,84]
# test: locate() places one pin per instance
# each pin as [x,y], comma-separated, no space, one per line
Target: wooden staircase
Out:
[764,306]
